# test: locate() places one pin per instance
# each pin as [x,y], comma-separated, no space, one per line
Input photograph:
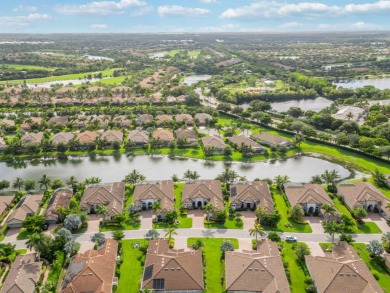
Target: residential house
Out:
[26,207]
[5,202]
[60,198]
[139,137]
[256,271]
[87,137]
[120,90]
[32,138]
[144,119]
[13,91]
[364,195]
[172,270]
[2,144]
[184,119]
[122,121]
[187,135]
[250,195]
[28,123]
[111,195]
[341,271]
[198,194]
[58,120]
[350,113]
[6,124]
[203,119]
[163,119]
[215,142]
[66,91]
[271,140]
[24,274]
[100,121]
[163,135]
[62,137]
[112,136]
[311,197]
[238,140]
[146,194]
[93,270]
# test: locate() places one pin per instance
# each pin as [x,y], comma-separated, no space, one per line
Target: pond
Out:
[381,83]
[309,104]
[110,168]
[190,80]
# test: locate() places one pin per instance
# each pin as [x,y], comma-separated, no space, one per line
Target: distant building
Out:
[32,138]
[269,139]
[140,138]
[350,113]
[62,137]
[239,140]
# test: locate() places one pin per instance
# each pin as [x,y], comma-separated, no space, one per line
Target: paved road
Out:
[217,233]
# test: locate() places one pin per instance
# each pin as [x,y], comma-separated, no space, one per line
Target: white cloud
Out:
[175,10]
[22,21]
[99,7]
[98,26]
[292,24]
[275,9]
[25,8]
[142,11]
[360,25]
[209,1]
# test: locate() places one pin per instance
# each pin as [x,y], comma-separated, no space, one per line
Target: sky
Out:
[152,16]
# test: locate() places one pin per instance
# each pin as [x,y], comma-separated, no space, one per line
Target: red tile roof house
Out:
[197,195]
[60,198]
[163,120]
[341,271]
[140,138]
[66,91]
[250,195]
[238,140]
[364,195]
[189,135]
[32,138]
[214,141]
[62,120]
[256,271]
[6,123]
[62,137]
[120,90]
[202,119]
[184,119]
[111,195]
[24,274]
[172,270]
[149,192]
[112,135]
[87,137]
[165,136]
[93,270]
[26,207]
[144,118]
[311,197]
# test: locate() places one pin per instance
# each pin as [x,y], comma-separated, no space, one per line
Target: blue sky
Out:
[73,16]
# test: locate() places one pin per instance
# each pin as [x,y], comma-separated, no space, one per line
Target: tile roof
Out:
[162,191]
[62,137]
[32,138]
[113,135]
[60,198]
[255,191]
[203,117]
[270,138]
[29,204]
[87,136]
[58,120]
[242,139]
[186,133]
[298,193]
[138,136]
[5,201]
[213,141]
[207,189]
[163,135]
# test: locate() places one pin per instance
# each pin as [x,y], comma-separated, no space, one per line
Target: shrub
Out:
[311,289]
[220,217]
[274,237]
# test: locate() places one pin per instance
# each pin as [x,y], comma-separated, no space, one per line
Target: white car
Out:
[291,239]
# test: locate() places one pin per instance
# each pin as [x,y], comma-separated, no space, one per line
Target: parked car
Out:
[290,238]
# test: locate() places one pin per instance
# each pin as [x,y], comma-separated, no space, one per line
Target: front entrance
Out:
[248,205]
[310,211]
[150,205]
[200,204]
[370,208]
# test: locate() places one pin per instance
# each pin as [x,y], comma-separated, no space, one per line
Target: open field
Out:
[25,67]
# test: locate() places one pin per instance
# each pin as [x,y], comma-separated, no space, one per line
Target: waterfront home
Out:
[198,194]
[215,142]
[139,137]
[187,135]
[250,195]
[32,138]
[27,207]
[163,135]
[62,137]
[87,137]
[112,136]
[66,91]
[60,198]
[269,139]
[239,140]
[184,119]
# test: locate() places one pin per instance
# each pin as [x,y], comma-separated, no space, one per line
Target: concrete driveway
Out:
[93,223]
[315,224]
[248,219]
[315,249]
[379,220]
[197,218]
[12,234]
[146,219]
[245,244]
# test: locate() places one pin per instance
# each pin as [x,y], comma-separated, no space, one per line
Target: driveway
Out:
[315,249]
[181,243]
[93,223]
[12,234]
[197,218]
[50,230]
[146,219]
[315,224]
[379,220]
[245,244]
[248,219]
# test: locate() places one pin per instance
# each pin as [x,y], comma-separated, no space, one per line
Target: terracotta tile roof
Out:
[187,118]
[174,270]
[96,88]
[16,90]
[163,118]
[7,122]
[255,191]
[113,135]
[359,192]
[341,271]
[298,193]
[138,136]
[270,138]
[58,120]
[66,89]
[60,198]
[163,135]
[62,137]
[162,191]
[203,117]
[92,271]
[213,141]
[206,189]
[35,138]
[29,204]
[24,274]
[256,271]
[145,118]
[87,136]
[186,133]
[110,194]
[120,89]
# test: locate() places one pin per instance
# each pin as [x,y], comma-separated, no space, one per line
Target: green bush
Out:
[274,237]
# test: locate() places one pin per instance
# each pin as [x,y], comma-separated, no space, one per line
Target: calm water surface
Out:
[110,168]
[314,104]
[382,84]
[190,80]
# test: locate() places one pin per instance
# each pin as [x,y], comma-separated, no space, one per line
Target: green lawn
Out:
[23,234]
[131,268]
[286,224]
[26,67]
[230,223]
[194,53]
[172,53]
[214,271]
[298,271]
[384,277]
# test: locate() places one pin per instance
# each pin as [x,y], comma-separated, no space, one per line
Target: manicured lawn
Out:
[230,223]
[384,277]
[326,246]
[194,53]
[214,271]
[131,268]
[23,234]
[174,52]
[366,228]
[286,224]
[184,222]
[26,67]
[298,270]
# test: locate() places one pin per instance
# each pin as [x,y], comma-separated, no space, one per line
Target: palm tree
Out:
[44,181]
[330,178]
[386,240]
[256,231]
[332,228]
[259,212]
[328,210]
[296,212]
[298,139]
[170,231]
[35,241]
[280,181]
[208,208]
[102,210]
[156,207]
[18,183]
[72,182]
[187,174]
[378,176]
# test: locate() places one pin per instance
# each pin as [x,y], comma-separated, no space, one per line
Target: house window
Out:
[158,284]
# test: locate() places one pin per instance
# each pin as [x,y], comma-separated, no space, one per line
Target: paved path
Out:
[244,244]
[380,221]
[248,219]
[315,249]
[197,218]
[146,220]
[315,224]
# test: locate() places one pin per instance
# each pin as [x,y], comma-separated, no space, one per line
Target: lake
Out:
[309,104]
[190,80]
[381,83]
[110,168]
